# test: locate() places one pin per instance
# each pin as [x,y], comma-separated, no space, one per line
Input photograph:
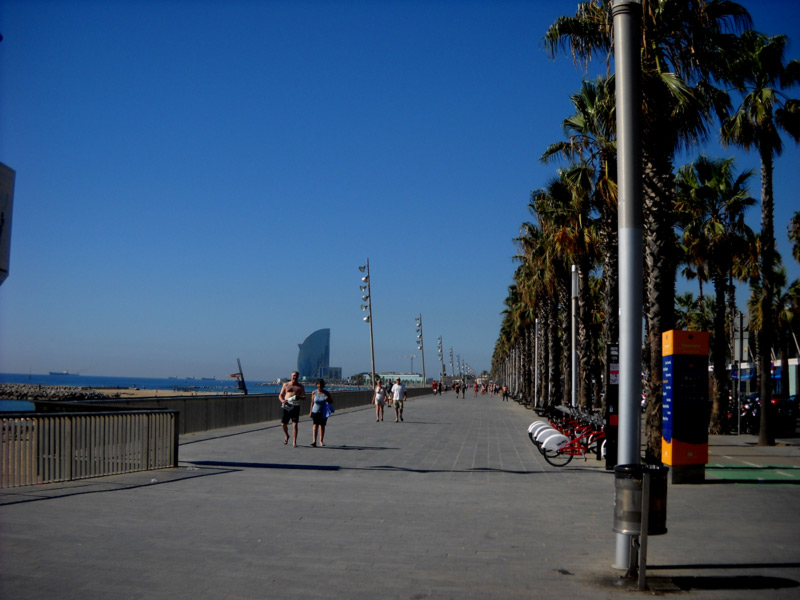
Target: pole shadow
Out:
[727,582]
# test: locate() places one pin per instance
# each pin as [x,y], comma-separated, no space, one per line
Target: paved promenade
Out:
[453,503]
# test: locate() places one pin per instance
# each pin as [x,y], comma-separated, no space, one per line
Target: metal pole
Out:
[536,372]
[371,343]
[627,16]
[574,337]
[452,368]
[422,348]
[642,582]
[739,383]
[441,360]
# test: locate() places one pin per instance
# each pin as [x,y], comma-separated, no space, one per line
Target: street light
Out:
[421,346]
[452,370]
[441,357]
[367,297]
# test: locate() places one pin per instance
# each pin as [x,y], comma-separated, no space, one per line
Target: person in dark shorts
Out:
[319,398]
[291,394]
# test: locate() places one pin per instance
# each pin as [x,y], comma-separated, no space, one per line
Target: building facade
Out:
[314,358]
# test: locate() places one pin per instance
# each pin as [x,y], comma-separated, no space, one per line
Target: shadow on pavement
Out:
[113,483]
[733,582]
[687,583]
[305,467]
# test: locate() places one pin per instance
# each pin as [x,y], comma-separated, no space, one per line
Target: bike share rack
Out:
[548,438]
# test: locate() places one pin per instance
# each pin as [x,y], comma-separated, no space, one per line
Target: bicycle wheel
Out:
[557,458]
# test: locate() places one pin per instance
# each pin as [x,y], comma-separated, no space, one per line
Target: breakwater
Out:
[52,393]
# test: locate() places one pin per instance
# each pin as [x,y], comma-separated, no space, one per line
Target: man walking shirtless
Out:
[291,394]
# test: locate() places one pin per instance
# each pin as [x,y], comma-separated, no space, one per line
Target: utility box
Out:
[685,409]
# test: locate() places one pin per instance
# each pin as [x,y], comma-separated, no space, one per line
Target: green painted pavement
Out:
[754,474]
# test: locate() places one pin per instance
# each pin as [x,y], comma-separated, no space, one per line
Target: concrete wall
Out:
[204,413]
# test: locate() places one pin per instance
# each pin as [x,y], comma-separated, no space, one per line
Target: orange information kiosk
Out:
[685,406]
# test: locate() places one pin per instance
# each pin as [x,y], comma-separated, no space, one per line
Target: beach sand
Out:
[146,393]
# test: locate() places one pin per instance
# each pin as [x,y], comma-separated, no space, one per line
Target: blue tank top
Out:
[319,401]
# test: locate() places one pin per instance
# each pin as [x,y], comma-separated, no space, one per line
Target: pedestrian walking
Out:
[399,396]
[318,413]
[291,394]
[379,400]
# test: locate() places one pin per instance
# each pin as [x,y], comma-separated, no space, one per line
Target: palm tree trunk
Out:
[765,434]
[584,336]
[564,328]
[610,285]
[719,378]
[660,245]
[554,387]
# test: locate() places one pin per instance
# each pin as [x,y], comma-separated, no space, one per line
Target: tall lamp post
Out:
[421,347]
[366,291]
[627,15]
[452,369]
[441,357]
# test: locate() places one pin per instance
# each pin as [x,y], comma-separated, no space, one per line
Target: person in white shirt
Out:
[398,399]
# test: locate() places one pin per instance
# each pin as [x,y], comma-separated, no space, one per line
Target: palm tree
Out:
[787,308]
[545,250]
[794,234]
[563,207]
[711,200]
[683,43]
[590,141]
[760,73]
[685,309]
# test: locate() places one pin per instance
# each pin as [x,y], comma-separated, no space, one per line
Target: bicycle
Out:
[568,435]
[561,452]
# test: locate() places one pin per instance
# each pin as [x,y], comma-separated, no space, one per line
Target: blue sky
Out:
[199,181]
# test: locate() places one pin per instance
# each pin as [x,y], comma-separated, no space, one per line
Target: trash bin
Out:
[628,499]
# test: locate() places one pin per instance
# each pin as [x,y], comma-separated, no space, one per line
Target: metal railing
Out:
[108,437]
[47,448]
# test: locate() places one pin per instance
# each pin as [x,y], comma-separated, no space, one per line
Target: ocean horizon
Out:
[205,384]
[209,385]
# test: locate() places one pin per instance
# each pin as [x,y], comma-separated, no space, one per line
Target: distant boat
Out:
[208,378]
[64,373]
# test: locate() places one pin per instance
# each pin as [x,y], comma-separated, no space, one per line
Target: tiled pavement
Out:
[454,502]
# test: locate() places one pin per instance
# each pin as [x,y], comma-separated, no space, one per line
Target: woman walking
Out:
[319,398]
[379,400]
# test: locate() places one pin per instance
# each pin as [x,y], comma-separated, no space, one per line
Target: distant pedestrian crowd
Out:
[394,396]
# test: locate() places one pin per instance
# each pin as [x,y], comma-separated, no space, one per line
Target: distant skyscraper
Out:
[314,358]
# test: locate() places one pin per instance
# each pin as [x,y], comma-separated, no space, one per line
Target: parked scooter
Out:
[751,414]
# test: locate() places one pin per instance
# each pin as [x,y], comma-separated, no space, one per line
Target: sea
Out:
[200,385]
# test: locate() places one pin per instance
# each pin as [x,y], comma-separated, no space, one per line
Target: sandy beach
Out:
[18,391]
[145,393]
